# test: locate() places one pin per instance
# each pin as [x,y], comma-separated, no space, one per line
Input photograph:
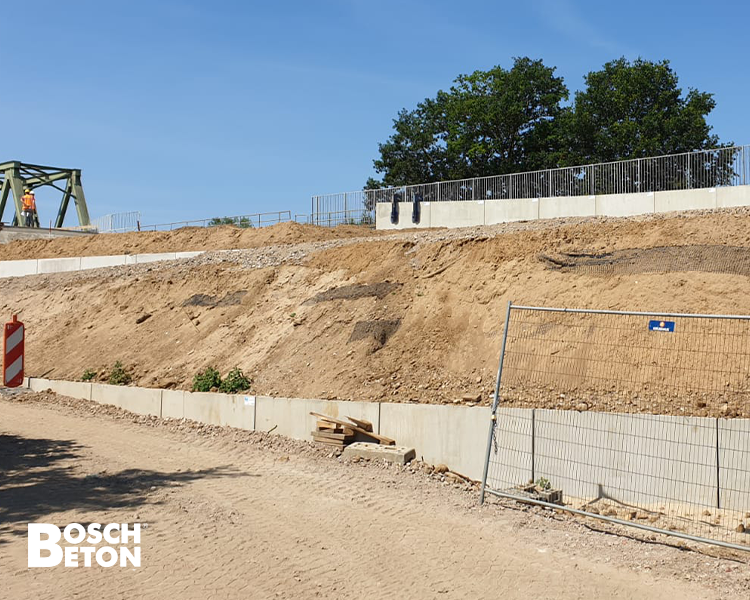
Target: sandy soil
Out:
[235,514]
[184,239]
[411,316]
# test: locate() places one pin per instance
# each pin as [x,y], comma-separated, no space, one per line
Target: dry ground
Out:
[234,514]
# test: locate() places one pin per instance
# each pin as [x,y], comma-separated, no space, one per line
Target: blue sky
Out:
[186,109]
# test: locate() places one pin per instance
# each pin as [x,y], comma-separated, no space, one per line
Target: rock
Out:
[472,397]
[582,406]
[479,380]
[142,318]
[740,528]
[441,468]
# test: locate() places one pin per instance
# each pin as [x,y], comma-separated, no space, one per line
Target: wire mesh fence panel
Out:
[638,418]
[689,170]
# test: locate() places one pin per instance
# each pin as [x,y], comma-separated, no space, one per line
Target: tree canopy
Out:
[510,120]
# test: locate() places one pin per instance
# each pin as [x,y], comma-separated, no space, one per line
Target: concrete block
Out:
[18,268]
[685,200]
[291,416]
[567,206]
[644,460]
[734,464]
[383,216]
[142,401]
[452,435]
[469,213]
[98,262]
[733,196]
[172,404]
[146,258]
[38,384]
[220,409]
[505,211]
[624,205]
[393,454]
[59,265]
[73,389]
[131,259]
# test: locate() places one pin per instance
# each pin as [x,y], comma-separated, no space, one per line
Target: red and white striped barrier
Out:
[13,346]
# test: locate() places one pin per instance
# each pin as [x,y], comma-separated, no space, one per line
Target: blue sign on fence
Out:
[667,326]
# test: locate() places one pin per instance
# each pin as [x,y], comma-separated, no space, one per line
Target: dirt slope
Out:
[184,239]
[237,514]
[417,316]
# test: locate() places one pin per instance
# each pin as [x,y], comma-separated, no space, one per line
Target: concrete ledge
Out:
[143,401]
[383,216]
[147,258]
[727,197]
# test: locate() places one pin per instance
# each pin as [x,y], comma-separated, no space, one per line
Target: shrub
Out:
[119,376]
[234,382]
[206,379]
[88,375]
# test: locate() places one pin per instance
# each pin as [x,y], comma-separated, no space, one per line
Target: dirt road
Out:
[234,515]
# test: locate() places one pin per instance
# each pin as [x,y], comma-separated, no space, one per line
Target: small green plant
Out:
[205,380]
[88,375]
[118,375]
[543,484]
[234,382]
[293,315]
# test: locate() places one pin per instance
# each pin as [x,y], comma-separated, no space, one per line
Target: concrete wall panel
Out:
[625,205]
[453,435]
[59,265]
[733,196]
[383,216]
[18,268]
[291,416]
[147,258]
[505,211]
[685,200]
[143,401]
[173,404]
[98,262]
[220,409]
[457,214]
[187,254]
[567,206]
[734,461]
[645,460]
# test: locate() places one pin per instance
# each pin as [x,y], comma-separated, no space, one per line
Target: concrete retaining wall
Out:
[19,268]
[489,212]
[9,233]
[634,459]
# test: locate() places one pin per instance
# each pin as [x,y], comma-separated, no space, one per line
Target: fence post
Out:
[496,400]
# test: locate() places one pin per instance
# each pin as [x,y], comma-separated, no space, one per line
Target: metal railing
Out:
[690,170]
[635,418]
[242,221]
[117,222]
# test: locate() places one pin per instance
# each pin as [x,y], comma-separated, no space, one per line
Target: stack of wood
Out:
[337,433]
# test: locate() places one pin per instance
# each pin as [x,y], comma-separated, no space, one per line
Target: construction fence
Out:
[640,419]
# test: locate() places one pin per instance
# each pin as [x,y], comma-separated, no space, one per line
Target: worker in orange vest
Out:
[29,208]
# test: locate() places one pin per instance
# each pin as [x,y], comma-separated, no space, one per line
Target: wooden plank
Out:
[381,438]
[366,425]
[331,436]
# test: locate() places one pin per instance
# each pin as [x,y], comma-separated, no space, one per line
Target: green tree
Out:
[634,110]
[488,123]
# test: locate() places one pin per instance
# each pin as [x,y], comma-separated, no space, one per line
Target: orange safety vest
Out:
[29,202]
